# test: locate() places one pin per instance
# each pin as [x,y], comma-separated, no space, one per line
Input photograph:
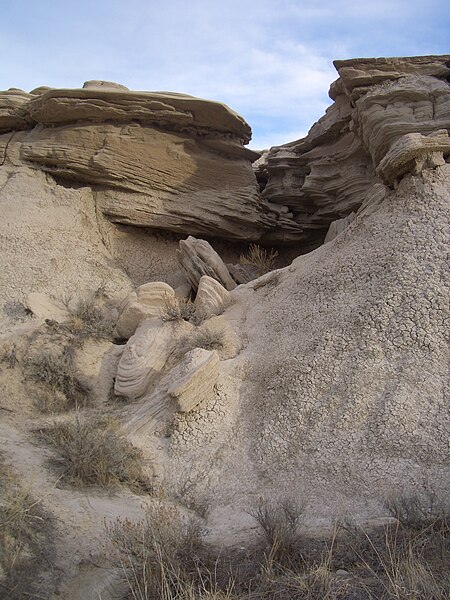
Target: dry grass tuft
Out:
[24,532]
[163,557]
[93,453]
[158,555]
[60,386]
[260,259]
[88,320]
[8,355]
[178,309]
[208,339]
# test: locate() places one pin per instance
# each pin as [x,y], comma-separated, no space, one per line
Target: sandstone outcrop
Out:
[143,358]
[149,300]
[155,159]
[389,117]
[198,258]
[194,378]
[212,298]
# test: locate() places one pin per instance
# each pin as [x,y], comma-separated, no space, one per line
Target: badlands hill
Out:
[324,379]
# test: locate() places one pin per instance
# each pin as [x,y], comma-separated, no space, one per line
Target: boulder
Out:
[193,379]
[143,358]
[149,300]
[212,298]
[198,258]
[44,307]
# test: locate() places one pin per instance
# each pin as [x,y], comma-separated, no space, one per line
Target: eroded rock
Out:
[212,298]
[385,118]
[193,380]
[149,300]
[198,258]
[143,358]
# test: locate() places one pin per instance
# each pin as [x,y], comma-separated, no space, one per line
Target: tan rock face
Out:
[156,159]
[193,380]
[364,138]
[143,359]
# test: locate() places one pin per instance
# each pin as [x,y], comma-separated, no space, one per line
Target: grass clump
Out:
[60,385]
[208,339]
[8,356]
[177,309]
[88,320]
[159,555]
[24,532]
[259,259]
[280,523]
[163,557]
[93,453]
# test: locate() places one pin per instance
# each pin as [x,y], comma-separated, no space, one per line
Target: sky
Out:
[270,61]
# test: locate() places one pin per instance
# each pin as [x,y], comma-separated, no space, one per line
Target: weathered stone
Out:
[149,300]
[212,297]
[412,153]
[198,258]
[13,110]
[338,226]
[327,175]
[193,380]
[143,359]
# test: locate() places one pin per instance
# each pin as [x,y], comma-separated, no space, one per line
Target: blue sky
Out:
[270,60]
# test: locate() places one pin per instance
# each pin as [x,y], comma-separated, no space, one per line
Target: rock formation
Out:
[324,380]
[159,160]
[389,117]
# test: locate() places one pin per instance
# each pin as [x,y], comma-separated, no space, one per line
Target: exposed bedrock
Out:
[155,159]
[390,116]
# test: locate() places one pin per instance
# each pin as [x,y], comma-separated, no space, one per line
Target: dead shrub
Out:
[24,532]
[177,309]
[60,385]
[8,355]
[88,320]
[260,259]
[158,555]
[208,339]
[93,453]
[280,522]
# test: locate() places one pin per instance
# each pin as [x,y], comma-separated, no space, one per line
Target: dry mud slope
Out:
[330,381]
[340,393]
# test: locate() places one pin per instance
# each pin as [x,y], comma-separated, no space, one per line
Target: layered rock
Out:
[143,359]
[383,124]
[149,300]
[194,378]
[155,159]
[198,258]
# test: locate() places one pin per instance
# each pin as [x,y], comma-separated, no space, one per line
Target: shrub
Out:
[8,355]
[208,339]
[24,532]
[93,453]
[159,554]
[88,320]
[61,388]
[280,522]
[177,309]
[259,258]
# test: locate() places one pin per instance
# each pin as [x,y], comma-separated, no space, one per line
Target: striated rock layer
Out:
[384,123]
[155,159]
